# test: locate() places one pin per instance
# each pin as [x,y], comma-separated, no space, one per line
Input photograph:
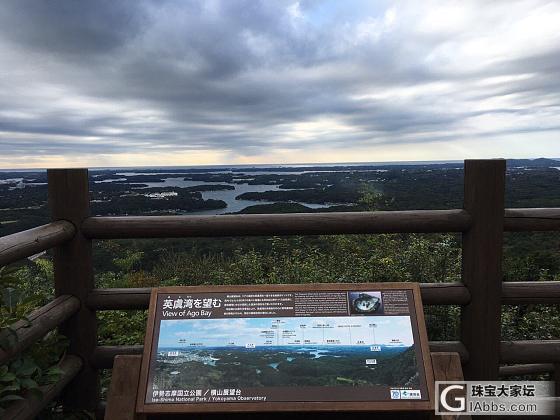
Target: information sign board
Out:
[286,347]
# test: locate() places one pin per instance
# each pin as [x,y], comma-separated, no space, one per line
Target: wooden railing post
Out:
[482,267]
[73,273]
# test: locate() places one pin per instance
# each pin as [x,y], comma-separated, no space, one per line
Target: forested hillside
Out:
[344,258]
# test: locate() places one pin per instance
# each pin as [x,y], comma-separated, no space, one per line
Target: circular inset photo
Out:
[365,302]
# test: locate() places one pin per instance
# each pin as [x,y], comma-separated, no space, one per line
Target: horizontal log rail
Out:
[31,406]
[532,220]
[119,299]
[139,298]
[530,351]
[525,292]
[513,293]
[527,369]
[420,221]
[38,323]
[450,346]
[103,355]
[32,241]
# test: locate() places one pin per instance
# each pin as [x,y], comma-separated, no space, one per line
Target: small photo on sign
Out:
[365,303]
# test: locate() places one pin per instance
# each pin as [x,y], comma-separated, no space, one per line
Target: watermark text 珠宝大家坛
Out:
[495,398]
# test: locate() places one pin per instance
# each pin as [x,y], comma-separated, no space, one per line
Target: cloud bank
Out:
[205,82]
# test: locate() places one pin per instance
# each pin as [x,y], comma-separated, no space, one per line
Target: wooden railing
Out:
[41,321]
[481,293]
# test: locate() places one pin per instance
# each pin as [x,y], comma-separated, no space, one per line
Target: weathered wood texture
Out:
[447,367]
[73,272]
[119,299]
[38,323]
[526,369]
[104,355]
[450,347]
[522,292]
[482,266]
[444,294]
[532,220]
[123,391]
[32,241]
[513,293]
[530,351]
[556,378]
[30,407]
[276,224]
[139,298]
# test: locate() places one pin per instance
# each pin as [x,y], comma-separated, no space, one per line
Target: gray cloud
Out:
[248,77]
[70,28]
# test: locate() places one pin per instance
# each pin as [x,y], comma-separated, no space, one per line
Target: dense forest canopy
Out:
[343,258]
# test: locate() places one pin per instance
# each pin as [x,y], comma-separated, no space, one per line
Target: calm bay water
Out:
[228,196]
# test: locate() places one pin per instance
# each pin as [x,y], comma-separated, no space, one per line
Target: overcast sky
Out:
[124,83]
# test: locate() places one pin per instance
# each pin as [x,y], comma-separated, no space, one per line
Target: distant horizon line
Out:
[269,165]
